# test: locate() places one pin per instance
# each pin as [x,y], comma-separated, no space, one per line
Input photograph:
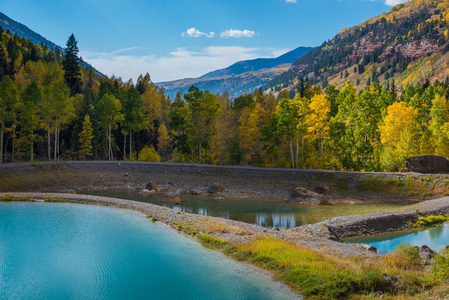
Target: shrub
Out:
[430,220]
[405,256]
[440,266]
[149,154]
[211,240]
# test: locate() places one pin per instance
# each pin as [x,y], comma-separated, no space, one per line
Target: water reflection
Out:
[271,213]
[435,237]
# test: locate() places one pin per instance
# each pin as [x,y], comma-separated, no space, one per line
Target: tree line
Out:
[57,109]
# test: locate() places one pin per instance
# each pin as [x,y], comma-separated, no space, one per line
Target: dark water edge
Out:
[62,250]
[271,213]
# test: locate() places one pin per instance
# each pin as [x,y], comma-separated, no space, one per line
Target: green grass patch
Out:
[212,241]
[408,186]
[430,220]
[379,184]
[10,199]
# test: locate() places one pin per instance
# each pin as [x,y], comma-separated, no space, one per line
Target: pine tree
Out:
[85,138]
[71,66]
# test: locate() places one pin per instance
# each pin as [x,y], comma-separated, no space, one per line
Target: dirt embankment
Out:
[243,182]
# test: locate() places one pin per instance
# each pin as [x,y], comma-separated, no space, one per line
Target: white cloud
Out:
[291,1]
[394,2]
[279,52]
[237,33]
[193,32]
[180,63]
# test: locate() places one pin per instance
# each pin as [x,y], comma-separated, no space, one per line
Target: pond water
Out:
[73,251]
[436,237]
[272,213]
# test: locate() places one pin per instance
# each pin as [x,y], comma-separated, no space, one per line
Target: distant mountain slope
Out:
[241,77]
[234,85]
[25,32]
[409,43]
[260,63]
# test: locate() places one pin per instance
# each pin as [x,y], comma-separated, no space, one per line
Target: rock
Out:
[172,200]
[322,188]
[152,186]
[148,192]
[426,253]
[216,188]
[303,195]
[368,247]
[219,198]
[173,194]
[195,192]
[428,164]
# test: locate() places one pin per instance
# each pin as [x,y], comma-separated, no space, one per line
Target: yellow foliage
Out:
[398,121]
[318,120]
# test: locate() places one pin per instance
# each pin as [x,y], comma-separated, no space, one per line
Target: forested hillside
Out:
[409,43]
[53,108]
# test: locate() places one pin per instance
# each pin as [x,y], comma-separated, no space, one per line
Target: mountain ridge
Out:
[240,77]
[409,44]
[25,32]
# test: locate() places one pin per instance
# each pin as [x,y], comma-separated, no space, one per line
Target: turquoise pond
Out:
[272,213]
[72,251]
[436,237]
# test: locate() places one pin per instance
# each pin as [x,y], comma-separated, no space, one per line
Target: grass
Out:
[10,199]
[430,220]
[409,186]
[316,275]
[212,241]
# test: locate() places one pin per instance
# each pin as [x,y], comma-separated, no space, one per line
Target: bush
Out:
[440,266]
[405,256]
[149,154]
[430,220]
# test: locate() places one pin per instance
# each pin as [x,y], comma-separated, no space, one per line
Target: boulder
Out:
[368,247]
[322,188]
[428,164]
[216,188]
[173,194]
[426,253]
[302,195]
[195,192]
[152,186]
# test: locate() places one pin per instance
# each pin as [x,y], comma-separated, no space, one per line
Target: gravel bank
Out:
[375,223]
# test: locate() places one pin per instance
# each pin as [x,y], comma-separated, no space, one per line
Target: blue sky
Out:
[187,38]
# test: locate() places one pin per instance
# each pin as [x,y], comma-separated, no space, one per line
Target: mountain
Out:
[241,77]
[23,31]
[408,44]
[259,63]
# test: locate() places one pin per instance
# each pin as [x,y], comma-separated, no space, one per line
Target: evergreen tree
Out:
[85,138]
[71,66]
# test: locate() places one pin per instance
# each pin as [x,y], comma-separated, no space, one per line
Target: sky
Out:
[175,39]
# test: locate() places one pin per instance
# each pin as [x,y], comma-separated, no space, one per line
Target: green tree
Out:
[85,138]
[71,66]
[29,116]
[8,106]
[109,115]
[133,117]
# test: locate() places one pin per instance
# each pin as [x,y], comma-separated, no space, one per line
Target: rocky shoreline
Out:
[301,186]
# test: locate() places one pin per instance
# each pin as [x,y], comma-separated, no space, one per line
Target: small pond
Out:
[272,213]
[435,237]
[73,251]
